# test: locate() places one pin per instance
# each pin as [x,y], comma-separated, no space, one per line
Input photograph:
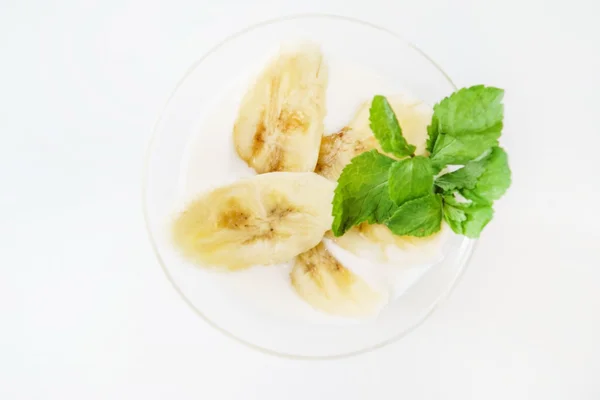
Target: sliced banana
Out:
[266,219]
[328,286]
[280,121]
[378,243]
[339,148]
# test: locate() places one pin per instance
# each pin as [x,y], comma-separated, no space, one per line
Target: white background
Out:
[85,311]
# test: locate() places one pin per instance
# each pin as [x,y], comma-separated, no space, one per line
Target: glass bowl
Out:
[226,69]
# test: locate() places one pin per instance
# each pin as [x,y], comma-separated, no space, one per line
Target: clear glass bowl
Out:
[212,296]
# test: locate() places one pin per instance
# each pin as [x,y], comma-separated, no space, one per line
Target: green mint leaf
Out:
[454,216]
[478,217]
[464,178]
[410,179]
[433,131]
[386,128]
[465,125]
[451,150]
[467,219]
[362,192]
[477,109]
[419,217]
[493,182]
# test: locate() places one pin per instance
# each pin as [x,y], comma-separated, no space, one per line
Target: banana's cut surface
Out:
[378,243]
[339,148]
[266,219]
[330,287]
[280,121]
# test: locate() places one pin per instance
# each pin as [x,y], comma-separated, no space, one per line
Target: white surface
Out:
[86,312]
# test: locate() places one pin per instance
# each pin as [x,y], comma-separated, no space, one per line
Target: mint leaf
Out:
[362,192]
[419,217]
[410,179]
[386,128]
[478,217]
[494,181]
[451,150]
[477,109]
[464,178]
[433,131]
[465,125]
[467,219]
[454,216]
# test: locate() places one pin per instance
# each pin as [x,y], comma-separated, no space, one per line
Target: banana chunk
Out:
[338,149]
[280,121]
[266,219]
[328,286]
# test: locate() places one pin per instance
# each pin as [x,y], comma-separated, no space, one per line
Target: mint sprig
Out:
[405,194]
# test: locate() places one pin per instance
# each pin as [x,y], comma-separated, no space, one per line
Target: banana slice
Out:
[266,219]
[280,121]
[339,148]
[328,286]
[378,243]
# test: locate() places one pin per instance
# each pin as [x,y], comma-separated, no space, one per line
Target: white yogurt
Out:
[211,161]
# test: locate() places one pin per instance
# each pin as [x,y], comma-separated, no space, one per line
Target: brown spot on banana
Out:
[330,146]
[276,160]
[233,216]
[317,257]
[258,141]
[292,121]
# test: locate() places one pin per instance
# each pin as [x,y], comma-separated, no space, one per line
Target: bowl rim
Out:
[444,295]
